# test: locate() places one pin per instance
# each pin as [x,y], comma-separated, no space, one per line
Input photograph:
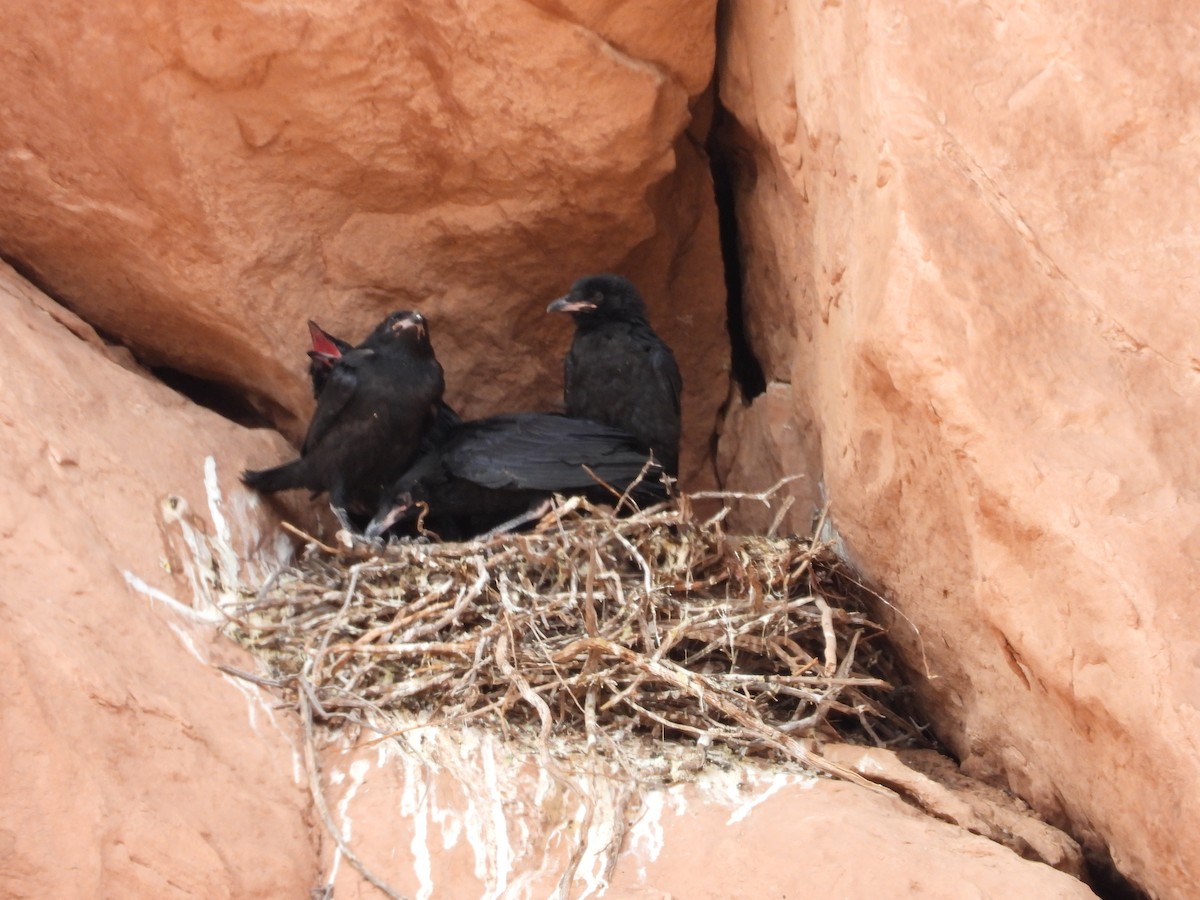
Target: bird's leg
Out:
[530,515]
[386,519]
[342,517]
[337,502]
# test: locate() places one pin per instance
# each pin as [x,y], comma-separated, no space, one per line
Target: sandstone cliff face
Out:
[131,767]
[136,769]
[967,251]
[457,815]
[972,228]
[199,179]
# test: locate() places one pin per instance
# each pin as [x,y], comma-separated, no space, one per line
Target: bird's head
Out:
[408,323]
[597,298]
[403,325]
[407,499]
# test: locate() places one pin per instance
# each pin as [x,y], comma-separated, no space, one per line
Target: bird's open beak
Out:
[328,359]
[570,304]
[322,342]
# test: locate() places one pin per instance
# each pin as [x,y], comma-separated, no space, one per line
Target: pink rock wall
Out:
[135,769]
[131,767]
[967,247]
[970,259]
[463,816]
[198,179]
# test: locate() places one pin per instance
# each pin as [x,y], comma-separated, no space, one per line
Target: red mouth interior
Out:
[321,342]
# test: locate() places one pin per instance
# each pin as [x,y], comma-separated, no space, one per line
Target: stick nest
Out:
[589,629]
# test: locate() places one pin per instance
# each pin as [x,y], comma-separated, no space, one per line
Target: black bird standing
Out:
[618,371]
[373,407]
[327,350]
[491,470]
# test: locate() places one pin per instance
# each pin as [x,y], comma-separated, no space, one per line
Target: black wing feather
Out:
[540,451]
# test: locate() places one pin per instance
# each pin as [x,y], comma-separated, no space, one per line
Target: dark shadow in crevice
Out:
[1107,882]
[727,167]
[31,275]
[222,399]
[225,401]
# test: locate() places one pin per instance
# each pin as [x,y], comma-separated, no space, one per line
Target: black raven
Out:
[618,371]
[327,350]
[491,470]
[374,407]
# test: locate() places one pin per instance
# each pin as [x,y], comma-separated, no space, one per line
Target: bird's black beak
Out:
[570,304]
[322,342]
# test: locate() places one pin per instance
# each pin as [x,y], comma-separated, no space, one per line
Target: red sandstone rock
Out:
[970,266]
[198,179]
[460,816]
[136,770]
[131,767]
[964,263]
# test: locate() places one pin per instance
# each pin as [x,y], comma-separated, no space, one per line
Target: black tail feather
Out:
[281,478]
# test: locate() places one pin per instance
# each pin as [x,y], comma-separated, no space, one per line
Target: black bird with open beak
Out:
[619,371]
[327,350]
[374,406]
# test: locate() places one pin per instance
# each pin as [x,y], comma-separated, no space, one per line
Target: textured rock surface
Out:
[460,816]
[134,769]
[197,180]
[970,264]
[131,768]
[968,254]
